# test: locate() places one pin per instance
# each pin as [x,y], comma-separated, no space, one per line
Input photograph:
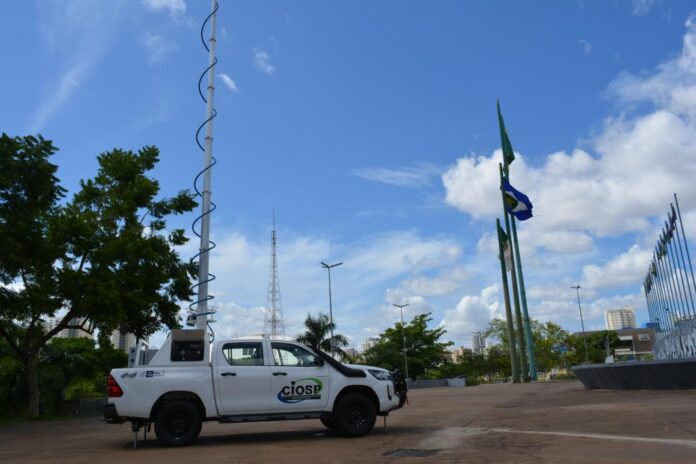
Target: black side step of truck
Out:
[269,417]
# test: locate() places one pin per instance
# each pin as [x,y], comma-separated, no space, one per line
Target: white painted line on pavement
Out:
[597,436]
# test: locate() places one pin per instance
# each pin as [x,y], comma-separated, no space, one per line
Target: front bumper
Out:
[400,388]
[111,415]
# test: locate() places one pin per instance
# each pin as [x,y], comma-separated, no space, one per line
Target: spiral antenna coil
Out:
[199,310]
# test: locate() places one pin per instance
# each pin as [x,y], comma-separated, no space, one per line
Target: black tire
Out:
[328,422]
[355,415]
[178,423]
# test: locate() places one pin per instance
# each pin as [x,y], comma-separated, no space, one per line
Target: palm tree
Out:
[317,335]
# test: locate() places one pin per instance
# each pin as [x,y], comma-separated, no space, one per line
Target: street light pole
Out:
[403,336]
[328,268]
[582,323]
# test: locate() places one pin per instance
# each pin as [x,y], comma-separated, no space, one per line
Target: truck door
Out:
[242,379]
[299,379]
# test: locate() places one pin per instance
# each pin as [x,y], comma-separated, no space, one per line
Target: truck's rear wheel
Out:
[178,423]
[355,415]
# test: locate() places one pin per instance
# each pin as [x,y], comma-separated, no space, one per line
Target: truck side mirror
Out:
[318,361]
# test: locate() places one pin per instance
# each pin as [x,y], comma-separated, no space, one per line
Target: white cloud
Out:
[641,7]
[625,269]
[175,8]
[444,283]
[157,46]
[640,161]
[671,87]
[229,83]
[371,263]
[417,176]
[82,33]
[472,313]
[586,46]
[262,62]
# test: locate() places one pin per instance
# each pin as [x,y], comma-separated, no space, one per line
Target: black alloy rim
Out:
[177,424]
[356,416]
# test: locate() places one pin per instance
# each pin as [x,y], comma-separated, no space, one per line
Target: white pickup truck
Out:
[243,380]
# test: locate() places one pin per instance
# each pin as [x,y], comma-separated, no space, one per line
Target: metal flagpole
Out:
[659,295]
[682,295]
[686,245]
[654,306]
[670,285]
[582,324]
[515,294]
[508,156]
[683,265]
[667,297]
[531,355]
[655,293]
[648,301]
[508,312]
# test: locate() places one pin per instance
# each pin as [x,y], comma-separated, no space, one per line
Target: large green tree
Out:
[599,344]
[424,350]
[318,335]
[104,259]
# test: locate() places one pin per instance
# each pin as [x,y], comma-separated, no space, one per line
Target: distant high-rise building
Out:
[369,343]
[617,319]
[125,341]
[458,353]
[73,331]
[478,342]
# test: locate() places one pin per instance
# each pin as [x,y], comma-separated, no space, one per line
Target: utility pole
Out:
[328,268]
[582,323]
[403,336]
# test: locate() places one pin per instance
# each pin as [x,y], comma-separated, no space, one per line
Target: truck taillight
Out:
[113,388]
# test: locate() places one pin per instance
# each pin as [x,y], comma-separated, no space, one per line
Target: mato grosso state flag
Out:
[516,202]
[507,249]
[508,154]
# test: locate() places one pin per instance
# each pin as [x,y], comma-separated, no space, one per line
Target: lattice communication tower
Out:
[273,319]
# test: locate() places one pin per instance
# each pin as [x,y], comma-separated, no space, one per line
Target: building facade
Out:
[125,341]
[369,343]
[478,342]
[618,319]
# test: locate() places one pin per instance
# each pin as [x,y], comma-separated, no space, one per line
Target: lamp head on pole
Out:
[329,266]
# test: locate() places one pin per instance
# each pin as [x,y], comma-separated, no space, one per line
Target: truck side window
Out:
[243,353]
[292,355]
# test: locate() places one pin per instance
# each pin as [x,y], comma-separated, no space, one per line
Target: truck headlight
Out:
[380,375]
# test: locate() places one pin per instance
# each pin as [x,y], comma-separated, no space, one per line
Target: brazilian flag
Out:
[508,154]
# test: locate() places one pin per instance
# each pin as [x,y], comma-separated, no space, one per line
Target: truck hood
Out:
[365,368]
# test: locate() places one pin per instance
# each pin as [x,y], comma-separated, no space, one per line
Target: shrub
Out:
[82,389]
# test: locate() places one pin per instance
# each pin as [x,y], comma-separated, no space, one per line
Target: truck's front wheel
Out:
[328,422]
[355,415]
[178,423]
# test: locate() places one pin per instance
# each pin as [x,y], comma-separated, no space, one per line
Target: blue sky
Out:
[370,127]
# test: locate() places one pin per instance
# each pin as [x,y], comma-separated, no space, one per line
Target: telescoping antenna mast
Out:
[200,310]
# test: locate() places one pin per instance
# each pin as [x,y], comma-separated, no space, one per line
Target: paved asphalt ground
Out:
[558,422]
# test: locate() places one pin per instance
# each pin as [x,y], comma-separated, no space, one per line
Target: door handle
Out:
[225,374]
[280,373]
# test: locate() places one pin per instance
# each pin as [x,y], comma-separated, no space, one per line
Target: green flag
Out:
[507,249]
[508,154]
